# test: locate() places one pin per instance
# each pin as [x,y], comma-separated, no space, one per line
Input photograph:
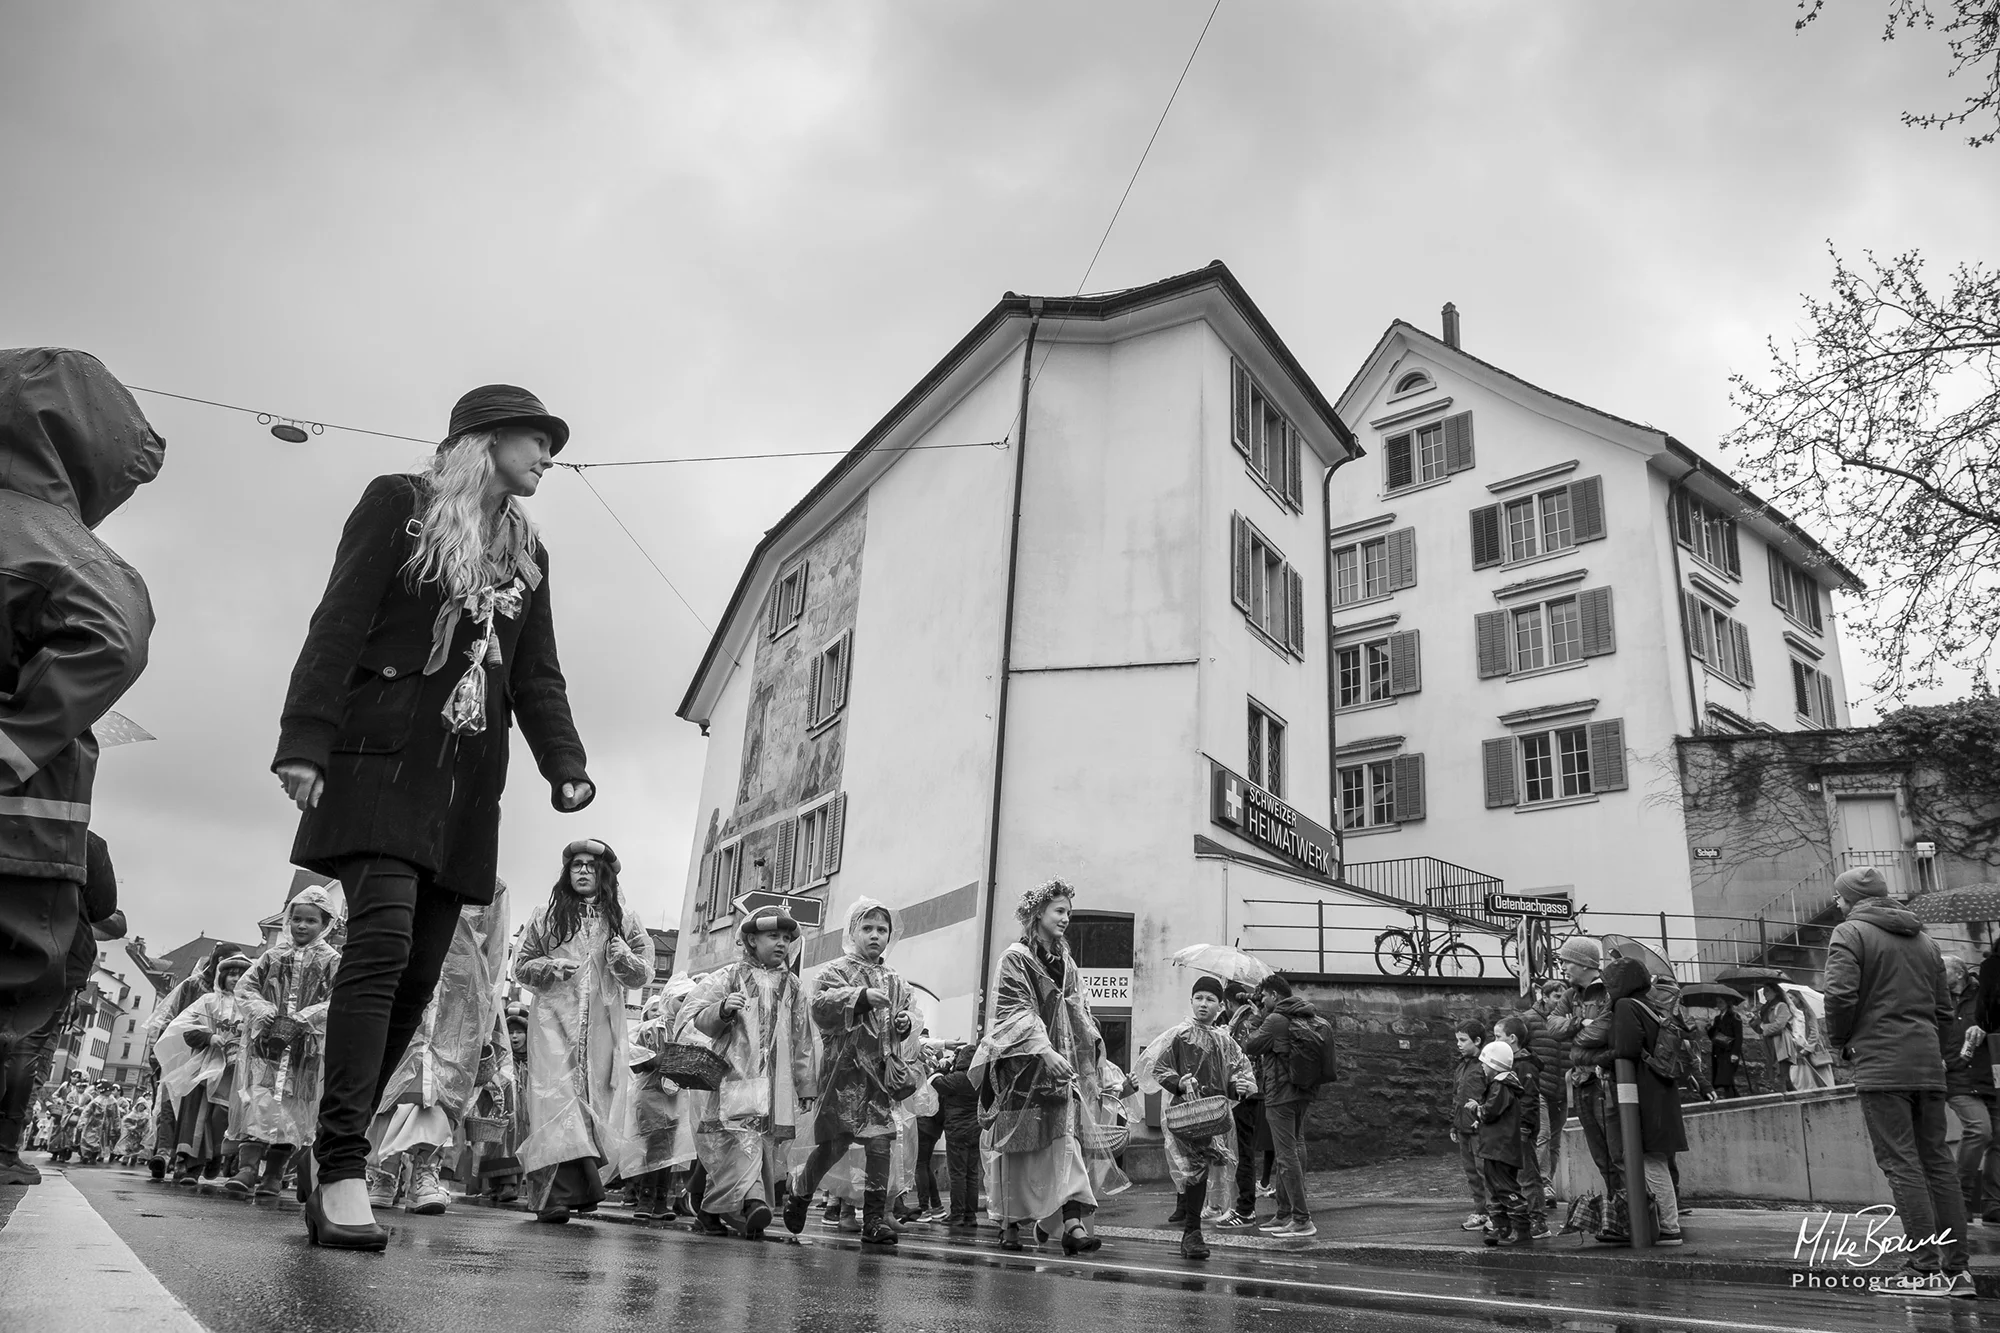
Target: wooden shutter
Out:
[836,832]
[1489,633]
[1409,802]
[1744,672]
[1586,509]
[1732,552]
[1402,555]
[843,668]
[1697,635]
[1684,518]
[1828,717]
[1599,633]
[1295,617]
[1399,462]
[1239,408]
[778,600]
[1499,759]
[1458,443]
[788,841]
[1295,481]
[1776,564]
[1239,569]
[1607,755]
[1486,548]
[704,886]
[799,592]
[1811,590]
[1406,673]
[812,688]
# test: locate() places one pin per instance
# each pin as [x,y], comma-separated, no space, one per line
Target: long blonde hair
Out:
[459,546]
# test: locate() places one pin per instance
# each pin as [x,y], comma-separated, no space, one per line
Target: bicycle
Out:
[1542,945]
[1402,953]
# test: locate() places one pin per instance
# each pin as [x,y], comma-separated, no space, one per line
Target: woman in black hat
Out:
[434,632]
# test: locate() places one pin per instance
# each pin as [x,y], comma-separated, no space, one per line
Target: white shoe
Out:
[1275,1225]
[1267,1191]
[427,1196]
[382,1187]
[1300,1230]
[1473,1222]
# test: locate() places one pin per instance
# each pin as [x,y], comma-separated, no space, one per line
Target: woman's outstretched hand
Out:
[575,796]
[302,781]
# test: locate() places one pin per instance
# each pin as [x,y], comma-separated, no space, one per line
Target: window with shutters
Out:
[1268,441]
[1812,695]
[1709,533]
[1427,453]
[826,686]
[810,844]
[788,600]
[1717,642]
[1795,593]
[1559,764]
[1377,670]
[1541,636]
[725,878]
[1366,570]
[1539,525]
[1270,593]
[1382,792]
[1267,751]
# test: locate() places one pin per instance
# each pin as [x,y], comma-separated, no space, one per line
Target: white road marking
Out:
[68,1272]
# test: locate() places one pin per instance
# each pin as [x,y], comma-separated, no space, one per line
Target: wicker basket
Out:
[485,1129]
[692,1066]
[1198,1120]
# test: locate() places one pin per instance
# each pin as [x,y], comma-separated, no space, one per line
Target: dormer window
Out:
[1412,382]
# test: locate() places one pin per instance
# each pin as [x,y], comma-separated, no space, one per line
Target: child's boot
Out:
[244,1183]
[875,1228]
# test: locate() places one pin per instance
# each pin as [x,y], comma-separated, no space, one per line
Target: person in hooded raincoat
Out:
[197,1055]
[132,1123]
[869,1066]
[579,955]
[166,1109]
[656,1138]
[1191,1060]
[507,1101]
[434,1085]
[1037,1070]
[99,1125]
[283,999]
[754,1015]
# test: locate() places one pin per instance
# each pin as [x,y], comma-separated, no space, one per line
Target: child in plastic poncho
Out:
[870,1066]
[1189,1061]
[283,1000]
[165,1111]
[507,1100]
[579,955]
[197,1055]
[753,1014]
[132,1124]
[99,1129]
[658,1141]
[432,1087]
[1038,1072]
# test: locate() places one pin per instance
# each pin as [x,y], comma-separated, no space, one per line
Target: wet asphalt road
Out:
[242,1267]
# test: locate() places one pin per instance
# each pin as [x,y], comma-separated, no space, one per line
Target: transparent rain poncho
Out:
[1209,1062]
[433,1085]
[182,1067]
[278,1099]
[576,1035]
[655,1131]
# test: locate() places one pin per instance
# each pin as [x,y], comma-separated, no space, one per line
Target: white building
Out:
[1096,650]
[1536,597]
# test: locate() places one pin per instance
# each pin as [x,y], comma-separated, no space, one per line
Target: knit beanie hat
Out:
[1582,950]
[1861,882]
[1207,986]
[1498,1057]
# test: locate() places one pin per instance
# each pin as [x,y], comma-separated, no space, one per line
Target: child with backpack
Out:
[1499,1112]
[1515,1032]
[1468,1089]
[1293,1047]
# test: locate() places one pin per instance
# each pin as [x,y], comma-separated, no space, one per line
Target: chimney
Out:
[1450,324]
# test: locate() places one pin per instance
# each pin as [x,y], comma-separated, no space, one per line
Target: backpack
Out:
[1313,1058]
[1670,1056]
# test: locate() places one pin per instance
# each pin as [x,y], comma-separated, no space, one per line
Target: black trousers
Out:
[39,919]
[961,1155]
[399,926]
[929,1128]
[18,1057]
[1250,1127]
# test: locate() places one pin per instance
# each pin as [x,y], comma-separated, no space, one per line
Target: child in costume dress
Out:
[197,1055]
[283,1001]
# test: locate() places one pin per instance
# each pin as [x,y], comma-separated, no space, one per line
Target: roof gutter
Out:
[1674,488]
[1332,671]
[992,886]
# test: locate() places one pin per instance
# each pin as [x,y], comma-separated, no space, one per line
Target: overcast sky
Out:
[739,227]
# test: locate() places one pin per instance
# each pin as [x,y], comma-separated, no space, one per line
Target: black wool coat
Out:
[360,707]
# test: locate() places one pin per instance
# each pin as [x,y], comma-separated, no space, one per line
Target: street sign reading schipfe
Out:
[1514,904]
[1254,813]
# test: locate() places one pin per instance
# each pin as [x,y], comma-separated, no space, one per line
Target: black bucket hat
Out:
[504,405]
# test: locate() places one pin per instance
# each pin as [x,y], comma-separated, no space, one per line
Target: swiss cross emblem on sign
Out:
[1232,799]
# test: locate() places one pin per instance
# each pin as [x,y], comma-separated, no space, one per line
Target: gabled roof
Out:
[1054,311]
[184,959]
[1435,346]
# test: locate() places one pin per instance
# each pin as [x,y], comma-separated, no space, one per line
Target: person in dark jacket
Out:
[958,1105]
[1589,1036]
[1725,1045]
[435,631]
[1253,1130]
[1550,1026]
[1498,1112]
[1968,1088]
[74,625]
[1285,1106]
[1515,1031]
[1886,1001]
[1635,1027]
[1468,1084]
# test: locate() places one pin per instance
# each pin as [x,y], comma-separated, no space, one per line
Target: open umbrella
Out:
[1748,979]
[1973,902]
[1220,960]
[1708,994]
[1624,946]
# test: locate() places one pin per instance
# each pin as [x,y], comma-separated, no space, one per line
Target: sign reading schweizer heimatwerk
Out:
[1249,811]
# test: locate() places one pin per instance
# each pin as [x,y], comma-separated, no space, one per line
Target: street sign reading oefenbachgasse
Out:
[1515,904]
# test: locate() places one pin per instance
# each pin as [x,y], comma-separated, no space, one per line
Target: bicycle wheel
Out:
[1396,953]
[1460,960]
[1510,954]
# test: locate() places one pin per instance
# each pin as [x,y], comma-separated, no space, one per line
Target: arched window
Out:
[1413,381]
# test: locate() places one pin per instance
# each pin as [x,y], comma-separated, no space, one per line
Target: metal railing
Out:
[1425,881]
[1783,922]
